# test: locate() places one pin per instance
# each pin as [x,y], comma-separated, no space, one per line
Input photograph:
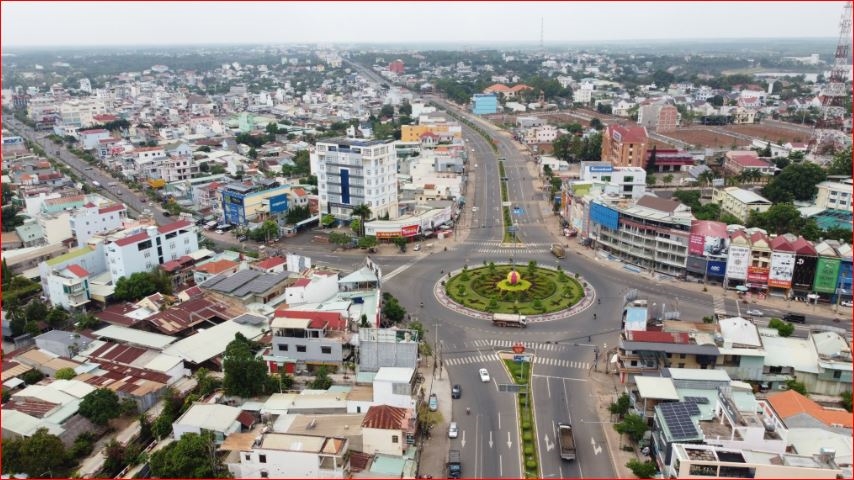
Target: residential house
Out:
[799,411]
[737,161]
[221,420]
[307,338]
[287,455]
[388,430]
[739,202]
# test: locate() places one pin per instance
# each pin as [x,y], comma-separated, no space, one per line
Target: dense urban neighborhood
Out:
[317,261]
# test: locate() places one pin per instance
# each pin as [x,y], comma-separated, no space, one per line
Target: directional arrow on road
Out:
[490,439]
[508,440]
[464,439]
[549,446]
[596,450]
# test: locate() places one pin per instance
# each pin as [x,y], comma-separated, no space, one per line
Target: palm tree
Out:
[706,177]
[363,211]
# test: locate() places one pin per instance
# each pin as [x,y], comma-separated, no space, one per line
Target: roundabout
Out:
[541,293]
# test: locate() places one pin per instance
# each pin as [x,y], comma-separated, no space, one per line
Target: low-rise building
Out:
[287,455]
[708,461]
[834,195]
[221,420]
[740,202]
[389,430]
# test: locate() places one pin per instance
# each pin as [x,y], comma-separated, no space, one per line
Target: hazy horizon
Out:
[66,25]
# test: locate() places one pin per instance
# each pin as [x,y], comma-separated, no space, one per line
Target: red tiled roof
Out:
[301,282]
[780,244]
[658,337]
[300,192]
[93,132]
[132,239]
[497,87]
[520,87]
[385,417]
[105,117]
[746,160]
[192,292]
[33,407]
[360,461]
[116,207]
[629,134]
[803,246]
[171,227]
[77,270]
[189,314]
[246,419]
[332,320]
[271,262]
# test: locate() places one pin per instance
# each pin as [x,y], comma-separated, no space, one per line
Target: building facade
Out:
[625,146]
[484,104]
[144,249]
[355,172]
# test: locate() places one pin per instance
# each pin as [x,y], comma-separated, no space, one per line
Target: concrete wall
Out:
[374,355]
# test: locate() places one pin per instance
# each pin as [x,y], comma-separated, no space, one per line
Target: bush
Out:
[528,450]
[526,425]
[531,464]
[642,469]
[527,436]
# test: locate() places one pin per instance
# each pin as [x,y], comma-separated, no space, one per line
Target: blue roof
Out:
[636,318]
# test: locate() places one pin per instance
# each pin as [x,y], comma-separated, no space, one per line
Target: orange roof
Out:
[497,87]
[216,267]
[520,87]
[790,403]
[385,417]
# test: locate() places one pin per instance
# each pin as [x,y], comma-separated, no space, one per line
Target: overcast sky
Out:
[181,23]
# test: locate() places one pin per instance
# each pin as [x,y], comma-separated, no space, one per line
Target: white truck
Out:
[509,320]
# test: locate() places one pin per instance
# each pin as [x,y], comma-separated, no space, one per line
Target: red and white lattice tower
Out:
[835,91]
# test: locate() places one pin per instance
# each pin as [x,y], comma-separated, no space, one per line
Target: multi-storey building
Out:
[740,202]
[258,201]
[834,195]
[142,249]
[91,219]
[622,182]
[484,104]
[81,112]
[307,338]
[625,146]
[69,287]
[285,455]
[355,172]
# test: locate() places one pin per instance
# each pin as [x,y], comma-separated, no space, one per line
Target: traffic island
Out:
[520,372]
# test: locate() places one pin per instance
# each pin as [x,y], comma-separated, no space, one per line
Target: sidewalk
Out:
[606,388]
[434,450]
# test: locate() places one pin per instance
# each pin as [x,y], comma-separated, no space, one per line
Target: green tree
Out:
[356,226]
[368,242]
[338,238]
[633,425]
[204,148]
[621,406]
[387,111]
[40,455]
[846,400]
[596,123]
[780,218]
[253,154]
[650,180]
[57,317]
[667,179]
[797,386]
[405,108]
[392,309]
[561,147]
[321,379]
[6,274]
[645,469]
[245,375]
[532,268]
[66,373]
[36,311]
[100,406]
[193,456]
[363,212]
[327,220]
[267,231]
[785,329]
[10,218]
[32,377]
[796,182]
[400,242]
[207,384]
[841,164]
[136,286]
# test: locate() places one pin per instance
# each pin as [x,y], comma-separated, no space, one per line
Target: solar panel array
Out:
[697,400]
[677,415]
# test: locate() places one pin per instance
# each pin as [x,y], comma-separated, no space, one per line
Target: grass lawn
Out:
[550,290]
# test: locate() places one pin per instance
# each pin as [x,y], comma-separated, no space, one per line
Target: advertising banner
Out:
[410,230]
[716,268]
[695,244]
[826,273]
[387,235]
[757,275]
[708,238]
[782,267]
[278,203]
[739,259]
[696,265]
[804,274]
[604,216]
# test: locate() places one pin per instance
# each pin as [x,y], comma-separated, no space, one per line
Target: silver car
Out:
[453,430]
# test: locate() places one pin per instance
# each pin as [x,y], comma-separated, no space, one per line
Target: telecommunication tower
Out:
[834,93]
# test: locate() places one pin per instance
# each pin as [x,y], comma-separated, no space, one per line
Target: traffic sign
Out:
[519,349]
[521,358]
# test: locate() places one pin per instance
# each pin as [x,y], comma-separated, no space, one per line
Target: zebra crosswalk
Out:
[537,347]
[470,359]
[496,247]
[558,362]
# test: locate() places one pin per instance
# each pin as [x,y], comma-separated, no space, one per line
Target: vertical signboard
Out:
[782,267]
[737,263]
[804,274]
[826,273]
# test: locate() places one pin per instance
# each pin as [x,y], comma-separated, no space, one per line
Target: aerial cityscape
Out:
[427,240]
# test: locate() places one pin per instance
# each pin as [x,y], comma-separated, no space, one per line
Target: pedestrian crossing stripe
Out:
[545,361]
[509,344]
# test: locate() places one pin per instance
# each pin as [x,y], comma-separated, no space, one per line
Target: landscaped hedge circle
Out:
[538,291]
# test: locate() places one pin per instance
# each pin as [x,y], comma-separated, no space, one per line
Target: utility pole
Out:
[436,355]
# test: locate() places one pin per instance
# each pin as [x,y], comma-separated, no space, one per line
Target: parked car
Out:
[453,430]
[433,404]
[484,375]
[241,238]
[847,303]
[456,391]
[417,247]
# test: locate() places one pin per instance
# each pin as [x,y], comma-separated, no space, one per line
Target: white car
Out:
[847,303]
[484,375]
[473,209]
[453,430]
[755,313]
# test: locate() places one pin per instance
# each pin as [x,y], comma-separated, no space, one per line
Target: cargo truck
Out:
[558,251]
[509,320]
[567,441]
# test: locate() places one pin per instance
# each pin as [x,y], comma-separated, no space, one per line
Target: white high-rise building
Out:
[352,172]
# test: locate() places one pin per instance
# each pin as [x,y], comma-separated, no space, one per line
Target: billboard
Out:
[826,273]
[804,273]
[757,275]
[696,265]
[708,238]
[410,230]
[232,208]
[604,216]
[601,169]
[278,203]
[739,259]
[844,281]
[782,267]
[716,268]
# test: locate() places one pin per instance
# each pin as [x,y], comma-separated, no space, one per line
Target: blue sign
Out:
[520,358]
[601,169]
[716,268]
[345,186]
[278,203]
[604,216]
[232,208]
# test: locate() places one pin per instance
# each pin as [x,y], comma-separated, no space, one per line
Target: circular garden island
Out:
[524,289]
